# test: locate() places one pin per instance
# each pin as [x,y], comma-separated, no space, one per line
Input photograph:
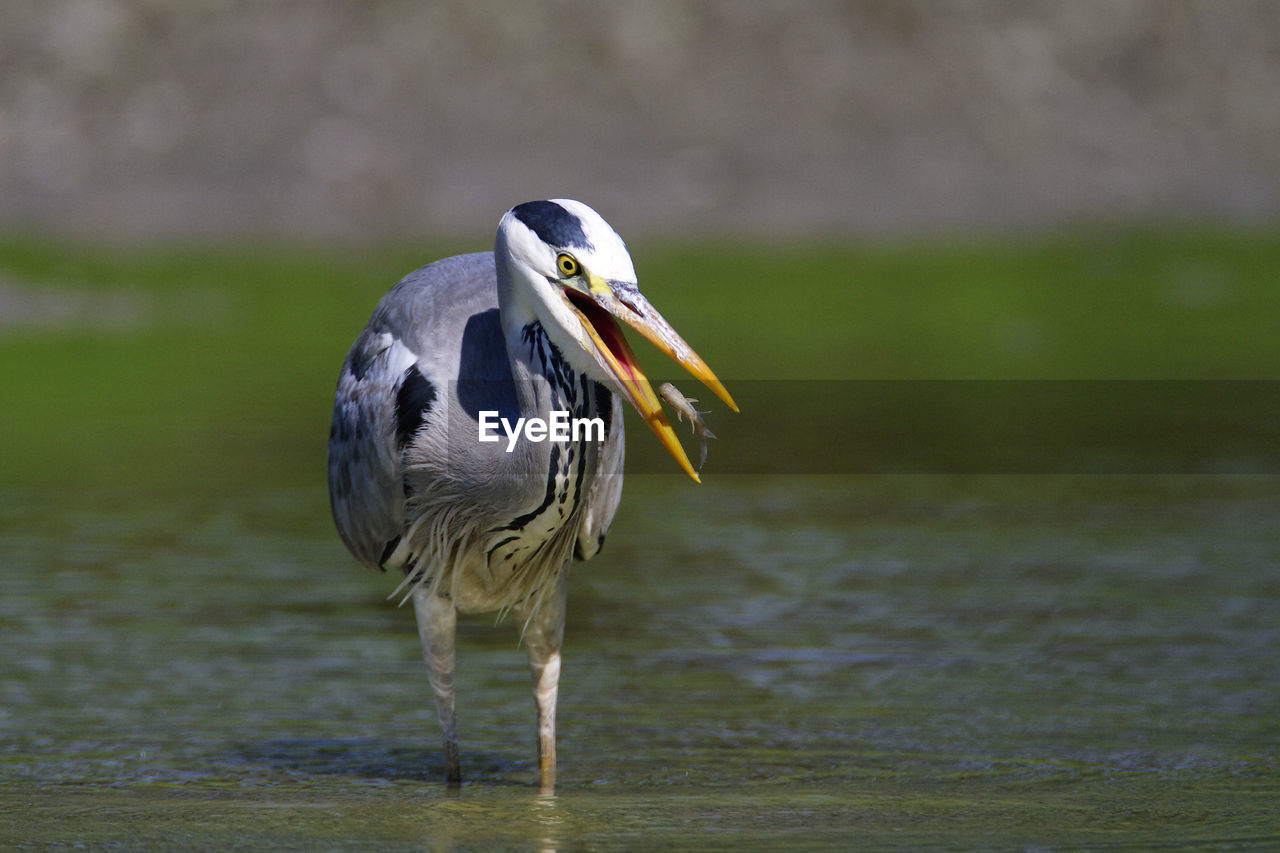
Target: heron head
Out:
[563,263]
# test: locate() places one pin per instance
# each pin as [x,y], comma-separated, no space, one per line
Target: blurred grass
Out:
[1100,305]
[213,368]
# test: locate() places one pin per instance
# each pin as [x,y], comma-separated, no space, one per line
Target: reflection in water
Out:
[547,819]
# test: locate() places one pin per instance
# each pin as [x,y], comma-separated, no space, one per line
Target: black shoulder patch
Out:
[413,401]
[555,225]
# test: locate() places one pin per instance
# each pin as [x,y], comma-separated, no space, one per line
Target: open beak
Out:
[596,311]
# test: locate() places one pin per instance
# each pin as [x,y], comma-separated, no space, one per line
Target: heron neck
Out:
[514,308]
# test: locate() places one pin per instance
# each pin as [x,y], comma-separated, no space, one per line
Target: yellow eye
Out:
[568,265]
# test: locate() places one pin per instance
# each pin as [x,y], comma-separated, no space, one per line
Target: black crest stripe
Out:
[553,224]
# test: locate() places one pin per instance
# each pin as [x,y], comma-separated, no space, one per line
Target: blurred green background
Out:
[157,367]
[201,203]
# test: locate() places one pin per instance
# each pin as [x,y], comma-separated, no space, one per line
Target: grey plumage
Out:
[441,323]
[523,332]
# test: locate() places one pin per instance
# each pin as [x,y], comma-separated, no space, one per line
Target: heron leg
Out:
[543,636]
[437,627]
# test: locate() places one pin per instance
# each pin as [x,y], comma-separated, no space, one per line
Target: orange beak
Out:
[596,311]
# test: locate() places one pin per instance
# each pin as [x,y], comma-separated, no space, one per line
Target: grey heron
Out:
[526,331]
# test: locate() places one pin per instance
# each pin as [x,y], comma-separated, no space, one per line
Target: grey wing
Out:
[606,489]
[406,356]
[366,490]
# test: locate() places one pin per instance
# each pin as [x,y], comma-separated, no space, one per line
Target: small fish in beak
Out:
[683,407]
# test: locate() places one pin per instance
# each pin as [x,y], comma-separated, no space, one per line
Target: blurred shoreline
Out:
[360,122]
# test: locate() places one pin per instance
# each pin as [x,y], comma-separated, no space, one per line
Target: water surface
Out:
[892,661]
